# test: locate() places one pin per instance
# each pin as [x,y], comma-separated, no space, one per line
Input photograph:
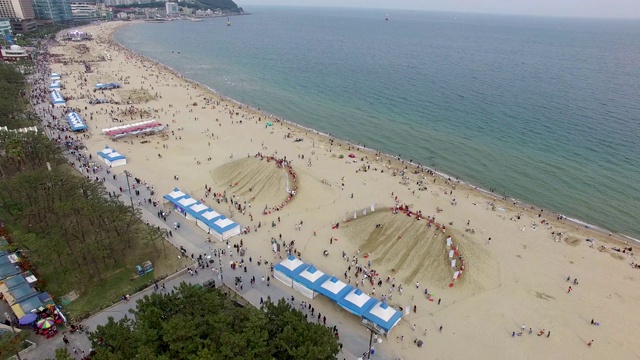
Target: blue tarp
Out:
[334,289]
[55,76]
[383,316]
[7,270]
[23,292]
[356,302]
[75,122]
[56,98]
[15,281]
[55,84]
[31,304]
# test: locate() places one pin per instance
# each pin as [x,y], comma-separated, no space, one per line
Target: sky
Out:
[568,8]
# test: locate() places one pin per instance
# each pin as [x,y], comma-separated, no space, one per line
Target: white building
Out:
[172,8]
[84,10]
[14,53]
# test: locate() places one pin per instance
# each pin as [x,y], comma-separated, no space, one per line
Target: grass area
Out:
[120,281]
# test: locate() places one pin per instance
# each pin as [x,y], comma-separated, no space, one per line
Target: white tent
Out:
[206,218]
[287,269]
[185,203]
[111,157]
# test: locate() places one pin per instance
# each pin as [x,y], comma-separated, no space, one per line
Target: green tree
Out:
[198,323]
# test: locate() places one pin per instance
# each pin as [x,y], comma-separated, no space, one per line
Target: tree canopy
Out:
[204,324]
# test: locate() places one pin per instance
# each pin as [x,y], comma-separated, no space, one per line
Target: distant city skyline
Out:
[562,8]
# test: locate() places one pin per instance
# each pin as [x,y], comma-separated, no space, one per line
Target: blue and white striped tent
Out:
[75,121]
[56,98]
[111,157]
[356,302]
[382,316]
[55,84]
[334,289]
[221,228]
[55,76]
[287,269]
[308,280]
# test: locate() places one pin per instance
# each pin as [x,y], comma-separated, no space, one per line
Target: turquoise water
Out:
[546,110]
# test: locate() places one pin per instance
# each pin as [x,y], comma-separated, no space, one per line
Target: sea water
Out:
[546,110]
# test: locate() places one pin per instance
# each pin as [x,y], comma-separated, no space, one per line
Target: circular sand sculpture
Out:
[257,181]
[409,250]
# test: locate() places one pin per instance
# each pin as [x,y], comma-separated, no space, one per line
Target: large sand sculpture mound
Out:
[255,180]
[418,252]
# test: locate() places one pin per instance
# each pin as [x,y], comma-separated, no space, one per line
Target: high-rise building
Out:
[85,10]
[16,9]
[5,28]
[57,11]
[172,8]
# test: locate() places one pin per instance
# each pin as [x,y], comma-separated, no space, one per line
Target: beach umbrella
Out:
[45,323]
[352,155]
[341,156]
[28,319]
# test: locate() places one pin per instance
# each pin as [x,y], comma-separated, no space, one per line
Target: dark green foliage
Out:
[200,323]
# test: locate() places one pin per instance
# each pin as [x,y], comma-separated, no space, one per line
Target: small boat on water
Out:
[386,18]
[228,22]
[195,20]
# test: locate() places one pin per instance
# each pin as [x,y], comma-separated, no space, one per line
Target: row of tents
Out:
[206,218]
[142,127]
[311,282]
[17,288]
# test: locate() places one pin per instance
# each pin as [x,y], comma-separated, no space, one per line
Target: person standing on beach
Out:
[568,291]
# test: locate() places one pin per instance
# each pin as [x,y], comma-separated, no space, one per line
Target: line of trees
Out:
[200,323]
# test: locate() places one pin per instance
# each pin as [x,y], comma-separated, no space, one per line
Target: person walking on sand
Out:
[590,343]
[568,291]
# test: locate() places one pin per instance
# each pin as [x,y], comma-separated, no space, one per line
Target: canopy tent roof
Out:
[334,289]
[311,277]
[187,201]
[383,316]
[54,76]
[134,129]
[14,281]
[20,293]
[356,302]
[75,122]
[199,208]
[30,304]
[110,154]
[210,215]
[7,270]
[55,84]
[175,195]
[56,97]
[223,224]
[290,266]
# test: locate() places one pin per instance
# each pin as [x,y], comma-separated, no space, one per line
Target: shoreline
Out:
[400,162]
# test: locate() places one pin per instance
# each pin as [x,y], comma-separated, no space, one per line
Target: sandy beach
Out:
[517,259]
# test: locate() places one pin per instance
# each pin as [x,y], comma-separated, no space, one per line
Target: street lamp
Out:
[127,174]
